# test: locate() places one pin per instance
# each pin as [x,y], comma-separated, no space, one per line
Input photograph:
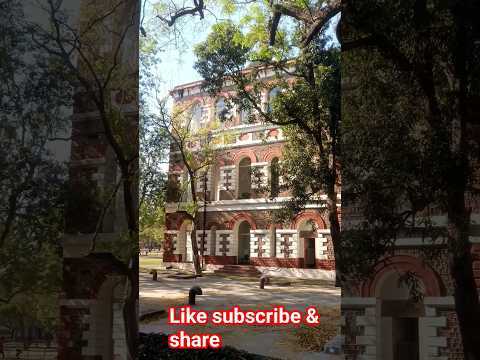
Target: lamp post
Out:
[205,180]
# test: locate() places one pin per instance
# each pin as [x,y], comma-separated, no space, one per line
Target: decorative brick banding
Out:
[172,257]
[325,264]
[220,260]
[277,262]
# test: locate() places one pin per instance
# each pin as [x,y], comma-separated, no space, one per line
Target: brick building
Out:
[239,229]
[380,319]
[92,321]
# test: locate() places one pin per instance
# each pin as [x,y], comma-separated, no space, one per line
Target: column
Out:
[225,244]
[259,243]
[321,248]
[227,178]
[259,175]
[204,242]
[287,243]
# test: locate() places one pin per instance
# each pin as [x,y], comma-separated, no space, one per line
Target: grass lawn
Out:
[151,262]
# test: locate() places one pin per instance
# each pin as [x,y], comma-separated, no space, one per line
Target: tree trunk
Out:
[467,304]
[334,232]
[204,217]
[196,258]
[130,307]
[130,310]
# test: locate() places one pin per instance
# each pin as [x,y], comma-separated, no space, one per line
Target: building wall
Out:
[230,203]
[368,331]
[93,297]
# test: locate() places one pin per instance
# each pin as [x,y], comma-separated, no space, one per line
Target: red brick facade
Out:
[240,210]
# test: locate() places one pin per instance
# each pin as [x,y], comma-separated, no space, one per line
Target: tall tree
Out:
[308,105]
[32,179]
[195,149]
[94,54]
[153,150]
[414,73]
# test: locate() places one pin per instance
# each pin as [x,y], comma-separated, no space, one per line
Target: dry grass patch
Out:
[313,338]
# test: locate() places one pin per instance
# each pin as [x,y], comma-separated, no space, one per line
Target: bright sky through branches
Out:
[177,58]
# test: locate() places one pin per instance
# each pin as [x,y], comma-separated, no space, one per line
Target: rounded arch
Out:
[272,153]
[175,221]
[185,225]
[430,279]
[224,161]
[242,217]
[178,168]
[215,224]
[237,157]
[309,215]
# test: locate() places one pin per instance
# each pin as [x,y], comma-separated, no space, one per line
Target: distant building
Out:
[239,230]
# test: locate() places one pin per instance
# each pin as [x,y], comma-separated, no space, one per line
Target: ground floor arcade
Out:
[248,238]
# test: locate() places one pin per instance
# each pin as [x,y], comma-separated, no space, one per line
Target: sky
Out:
[177,57]
[176,66]
[59,149]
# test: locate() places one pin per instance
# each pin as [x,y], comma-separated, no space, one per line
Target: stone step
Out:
[240,270]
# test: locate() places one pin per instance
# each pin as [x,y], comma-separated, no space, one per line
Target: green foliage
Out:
[153,153]
[225,52]
[401,124]
[308,109]
[32,181]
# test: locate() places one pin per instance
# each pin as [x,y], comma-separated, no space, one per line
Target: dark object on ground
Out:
[155,347]
[169,267]
[195,290]
[153,314]
[182,276]
[154,275]
[263,281]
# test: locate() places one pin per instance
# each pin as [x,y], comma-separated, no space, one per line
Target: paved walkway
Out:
[222,293]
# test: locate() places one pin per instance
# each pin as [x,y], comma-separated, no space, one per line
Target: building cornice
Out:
[248,204]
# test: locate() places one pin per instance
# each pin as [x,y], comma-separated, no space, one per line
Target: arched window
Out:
[274,177]
[244,179]
[245,112]
[185,188]
[221,111]
[196,116]
[272,95]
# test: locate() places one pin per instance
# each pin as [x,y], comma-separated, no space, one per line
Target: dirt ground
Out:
[222,292]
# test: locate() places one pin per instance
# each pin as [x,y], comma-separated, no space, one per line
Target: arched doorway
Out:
[244,178]
[398,331]
[306,235]
[243,237]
